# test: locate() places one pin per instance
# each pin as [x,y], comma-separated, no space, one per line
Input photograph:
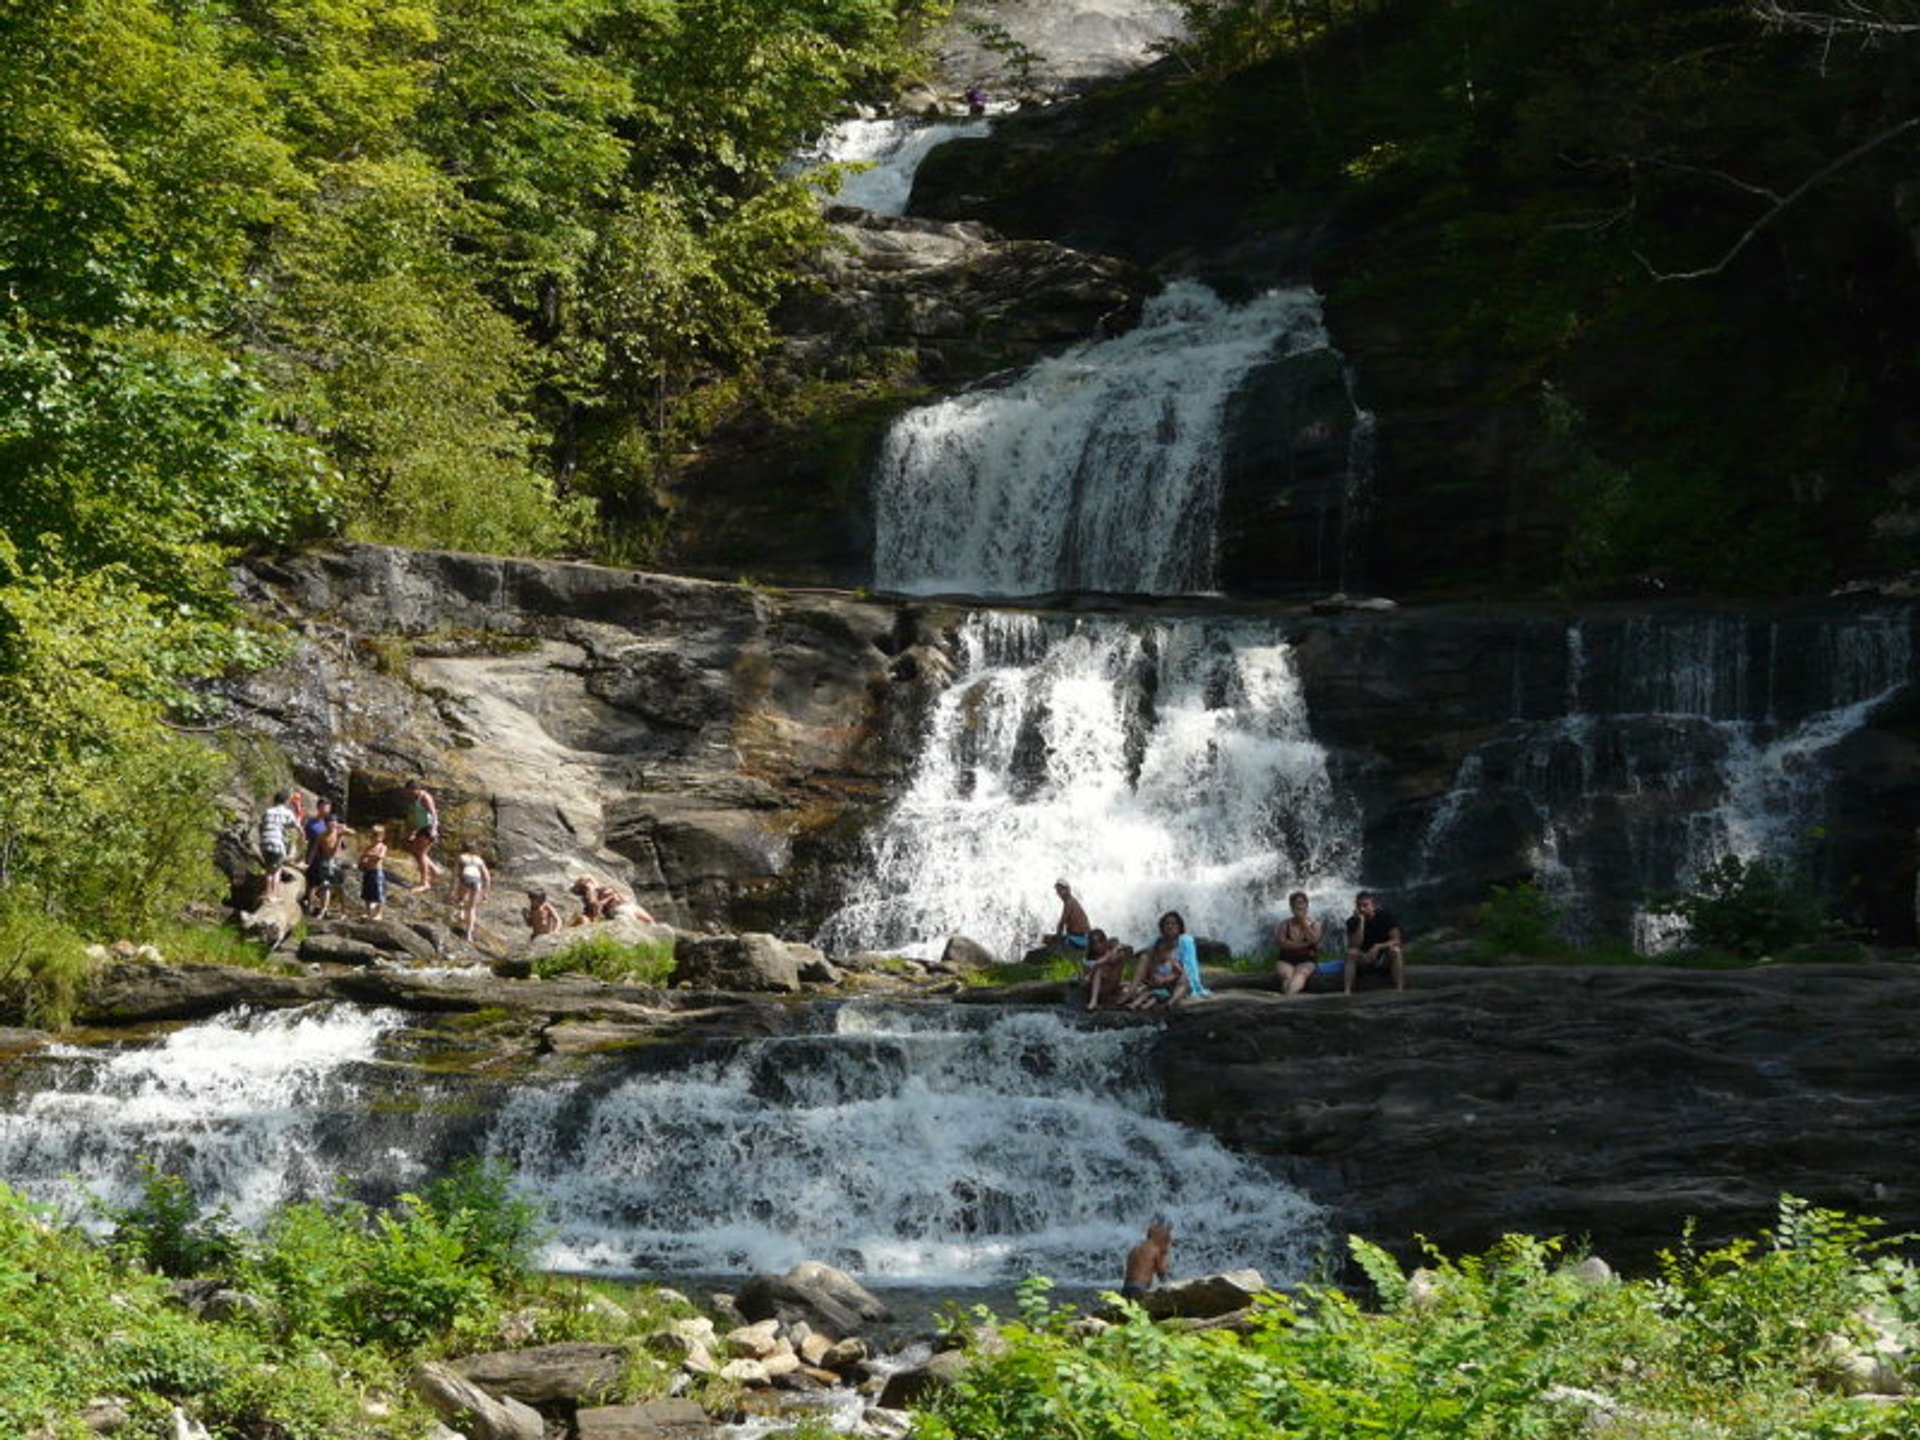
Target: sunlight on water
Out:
[1097,469]
[952,1146]
[1160,766]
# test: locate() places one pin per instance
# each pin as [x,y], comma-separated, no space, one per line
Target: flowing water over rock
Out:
[1679,741]
[948,1146]
[932,1146]
[254,1109]
[893,149]
[1098,469]
[1159,764]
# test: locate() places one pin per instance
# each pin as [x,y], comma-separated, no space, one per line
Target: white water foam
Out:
[1097,469]
[952,1147]
[232,1105]
[1160,766]
[891,151]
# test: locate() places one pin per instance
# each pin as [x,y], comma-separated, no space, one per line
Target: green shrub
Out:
[1751,908]
[1518,920]
[498,1230]
[44,965]
[649,962]
[1510,1343]
[1053,966]
[165,1230]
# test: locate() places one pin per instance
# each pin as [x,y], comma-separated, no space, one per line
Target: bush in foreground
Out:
[1754,1341]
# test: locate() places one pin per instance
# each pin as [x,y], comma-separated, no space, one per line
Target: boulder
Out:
[964,954]
[388,935]
[828,1300]
[540,1375]
[130,994]
[735,962]
[471,1410]
[318,949]
[1205,1296]
[651,1420]
[908,1389]
[278,915]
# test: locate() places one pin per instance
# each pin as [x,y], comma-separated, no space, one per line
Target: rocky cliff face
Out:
[710,746]
[721,748]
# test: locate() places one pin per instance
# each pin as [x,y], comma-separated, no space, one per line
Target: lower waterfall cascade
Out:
[952,1146]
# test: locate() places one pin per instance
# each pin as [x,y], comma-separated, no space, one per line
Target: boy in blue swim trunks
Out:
[1073,929]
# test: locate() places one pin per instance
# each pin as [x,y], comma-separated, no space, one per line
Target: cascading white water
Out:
[892,150]
[939,1146]
[1156,766]
[1704,739]
[1097,469]
[945,1146]
[237,1106]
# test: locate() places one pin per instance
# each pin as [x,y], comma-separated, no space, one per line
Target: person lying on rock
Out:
[1147,1262]
[1374,944]
[1298,943]
[1105,968]
[603,902]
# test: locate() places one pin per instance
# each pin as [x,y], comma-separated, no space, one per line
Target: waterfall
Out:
[892,150]
[254,1108]
[948,1146]
[1681,741]
[939,1145]
[1098,469]
[1164,765]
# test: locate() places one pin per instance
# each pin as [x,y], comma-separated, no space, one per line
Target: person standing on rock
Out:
[1297,942]
[325,836]
[423,830]
[275,822]
[1073,929]
[472,881]
[1374,943]
[1148,1261]
[373,873]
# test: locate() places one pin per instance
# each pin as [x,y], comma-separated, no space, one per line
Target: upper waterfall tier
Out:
[1099,469]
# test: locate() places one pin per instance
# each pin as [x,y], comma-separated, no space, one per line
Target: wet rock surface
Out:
[1606,1103]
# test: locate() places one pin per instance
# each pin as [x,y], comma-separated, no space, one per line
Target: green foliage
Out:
[105,816]
[44,965]
[648,962]
[1513,1342]
[165,1231]
[1052,966]
[1750,908]
[1518,920]
[499,1231]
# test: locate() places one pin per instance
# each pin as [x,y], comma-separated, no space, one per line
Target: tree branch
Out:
[1782,205]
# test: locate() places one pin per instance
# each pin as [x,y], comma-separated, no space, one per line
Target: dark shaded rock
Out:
[131,994]
[906,1389]
[651,1420]
[735,962]
[1614,1103]
[1204,1296]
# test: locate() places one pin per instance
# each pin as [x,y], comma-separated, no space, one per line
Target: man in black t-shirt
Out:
[1373,943]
